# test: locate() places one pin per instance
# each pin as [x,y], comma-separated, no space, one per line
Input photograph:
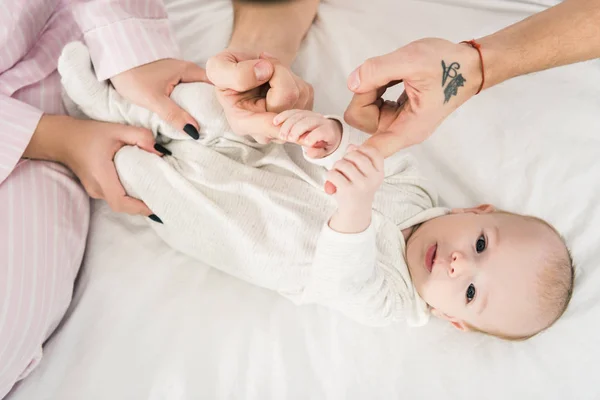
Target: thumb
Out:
[139,137]
[378,72]
[388,143]
[226,71]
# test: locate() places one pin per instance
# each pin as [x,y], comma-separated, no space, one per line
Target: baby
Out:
[378,250]
[479,268]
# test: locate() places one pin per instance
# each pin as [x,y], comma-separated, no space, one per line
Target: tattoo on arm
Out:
[456,80]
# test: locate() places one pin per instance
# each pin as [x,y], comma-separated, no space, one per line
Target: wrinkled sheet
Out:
[149,323]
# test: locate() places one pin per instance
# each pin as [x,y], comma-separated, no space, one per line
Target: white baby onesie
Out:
[259,212]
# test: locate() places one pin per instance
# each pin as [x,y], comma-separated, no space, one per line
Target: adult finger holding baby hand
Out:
[253,88]
[438,77]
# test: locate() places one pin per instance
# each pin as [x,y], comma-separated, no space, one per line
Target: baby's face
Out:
[480,268]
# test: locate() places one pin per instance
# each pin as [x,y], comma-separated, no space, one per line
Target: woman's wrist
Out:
[50,139]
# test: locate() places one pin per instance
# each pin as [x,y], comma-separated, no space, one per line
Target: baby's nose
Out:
[458,264]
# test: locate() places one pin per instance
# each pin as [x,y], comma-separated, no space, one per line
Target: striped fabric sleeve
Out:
[18,121]
[124,34]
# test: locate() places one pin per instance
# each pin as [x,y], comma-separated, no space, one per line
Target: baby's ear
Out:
[460,325]
[481,209]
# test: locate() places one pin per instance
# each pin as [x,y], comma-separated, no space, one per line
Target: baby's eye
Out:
[480,245]
[470,293]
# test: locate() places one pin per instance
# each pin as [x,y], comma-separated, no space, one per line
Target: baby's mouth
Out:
[430,257]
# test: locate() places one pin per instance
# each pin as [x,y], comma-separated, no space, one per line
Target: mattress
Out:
[149,323]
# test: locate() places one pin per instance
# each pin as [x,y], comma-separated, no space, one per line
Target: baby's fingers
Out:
[374,155]
[338,180]
[284,115]
[361,160]
[308,126]
[289,122]
[349,170]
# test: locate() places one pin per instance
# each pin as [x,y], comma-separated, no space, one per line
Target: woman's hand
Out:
[150,86]
[438,77]
[88,148]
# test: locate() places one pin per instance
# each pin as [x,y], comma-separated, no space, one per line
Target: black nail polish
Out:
[162,149]
[192,131]
[155,218]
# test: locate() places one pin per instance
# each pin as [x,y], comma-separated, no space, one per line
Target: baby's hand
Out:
[318,135]
[357,177]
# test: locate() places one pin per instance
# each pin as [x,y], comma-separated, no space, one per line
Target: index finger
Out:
[260,124]
[363,112]
[378,72]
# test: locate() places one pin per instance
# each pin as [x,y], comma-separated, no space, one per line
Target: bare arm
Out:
[274,27]
[564,34]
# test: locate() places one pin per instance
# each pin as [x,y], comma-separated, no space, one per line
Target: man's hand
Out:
[253,90]
[438,77]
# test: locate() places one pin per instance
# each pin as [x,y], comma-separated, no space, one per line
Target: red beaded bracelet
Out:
[477,47]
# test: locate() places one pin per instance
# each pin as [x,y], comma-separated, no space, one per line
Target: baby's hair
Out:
[557,280]
[555,285]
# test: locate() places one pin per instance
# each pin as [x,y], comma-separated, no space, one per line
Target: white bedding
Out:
[149,323]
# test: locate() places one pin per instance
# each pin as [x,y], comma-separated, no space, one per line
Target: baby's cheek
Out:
[436,294]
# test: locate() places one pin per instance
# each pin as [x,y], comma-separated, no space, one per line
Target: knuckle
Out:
[349,116]
[290,96]
[370,66]
[170,116]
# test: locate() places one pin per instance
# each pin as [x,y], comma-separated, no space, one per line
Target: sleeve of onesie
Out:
[344,276]
[124,34]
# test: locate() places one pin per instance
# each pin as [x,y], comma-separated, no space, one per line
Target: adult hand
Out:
[150,86]
[88,148]
[438,77]
[252,91]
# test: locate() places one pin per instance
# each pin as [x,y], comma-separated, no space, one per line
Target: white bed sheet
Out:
[148,323]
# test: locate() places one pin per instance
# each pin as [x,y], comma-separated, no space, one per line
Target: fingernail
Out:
[192,131]
[276,120]
[162,149]
[155,218]
[262,71]
[354,80]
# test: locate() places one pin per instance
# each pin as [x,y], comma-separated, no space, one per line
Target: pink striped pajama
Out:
[44,212]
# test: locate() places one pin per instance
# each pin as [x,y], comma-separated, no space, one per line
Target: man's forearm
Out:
[275,27]
[564,34]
